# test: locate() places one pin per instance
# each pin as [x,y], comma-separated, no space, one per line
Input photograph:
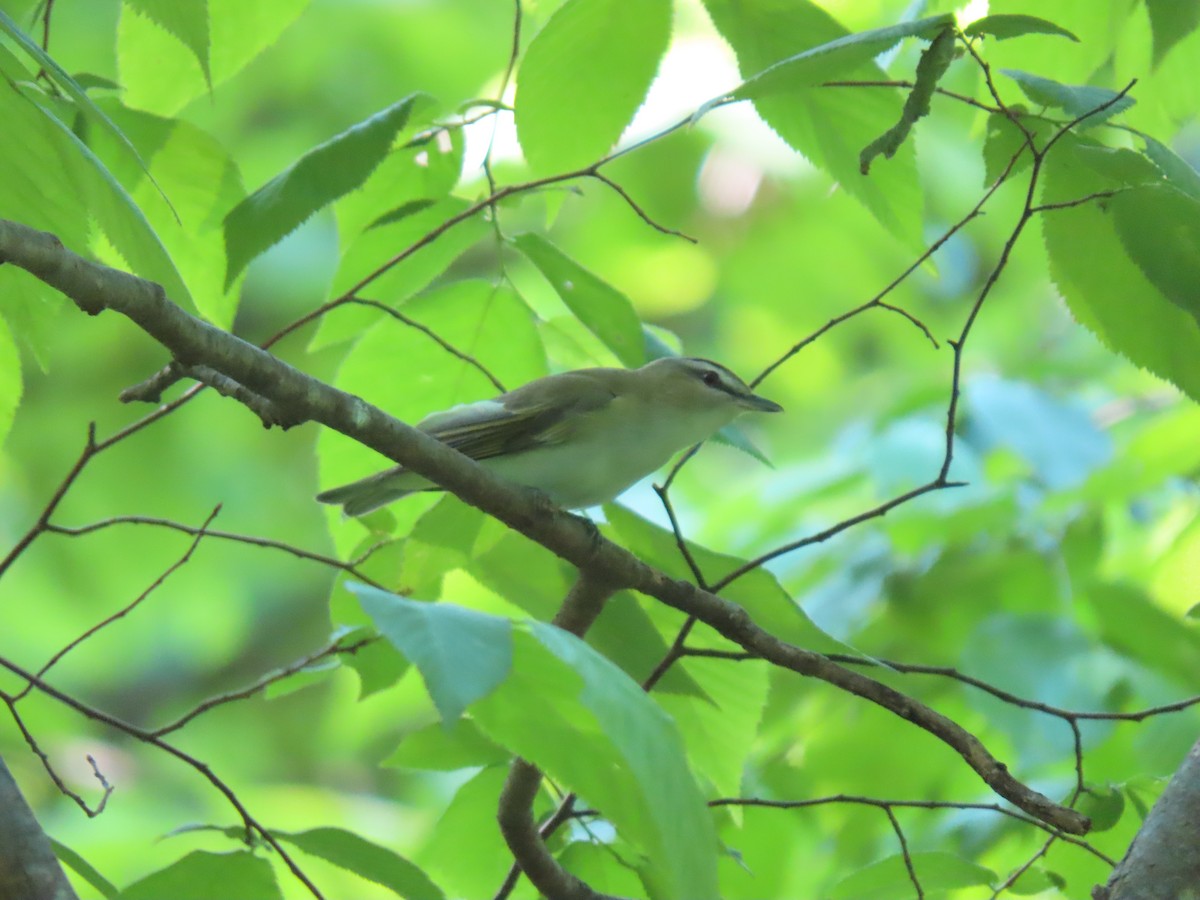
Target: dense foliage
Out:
[962,252]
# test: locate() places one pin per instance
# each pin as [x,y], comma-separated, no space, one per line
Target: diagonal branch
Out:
[301,397]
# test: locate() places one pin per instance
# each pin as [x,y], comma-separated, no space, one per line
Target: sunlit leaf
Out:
[584,76]
[366,859]
[602,308]
[1010,25]
[318,178]
[202,876]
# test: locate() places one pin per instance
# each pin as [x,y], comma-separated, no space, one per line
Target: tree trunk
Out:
[1163,862]
[29,869]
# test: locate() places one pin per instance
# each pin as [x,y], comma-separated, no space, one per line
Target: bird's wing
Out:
[531,416]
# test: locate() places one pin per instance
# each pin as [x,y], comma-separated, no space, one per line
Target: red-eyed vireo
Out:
[579,437]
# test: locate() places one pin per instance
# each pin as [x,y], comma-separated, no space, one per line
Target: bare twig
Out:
[252,824]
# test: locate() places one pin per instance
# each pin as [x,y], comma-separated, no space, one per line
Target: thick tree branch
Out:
[301,397]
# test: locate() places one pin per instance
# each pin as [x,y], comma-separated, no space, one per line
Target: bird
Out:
[580,437]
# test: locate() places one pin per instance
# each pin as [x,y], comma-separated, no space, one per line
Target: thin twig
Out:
[252,824]
[334,648]
[129,607]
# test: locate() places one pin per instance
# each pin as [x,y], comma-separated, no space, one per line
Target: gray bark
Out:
[1163,862]
[29,870]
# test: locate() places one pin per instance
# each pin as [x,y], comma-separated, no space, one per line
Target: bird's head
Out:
[702,386]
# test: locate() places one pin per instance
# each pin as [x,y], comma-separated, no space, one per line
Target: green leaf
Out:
[378,666]
[10,379]
[1135,625]
[466,852]
[584,76]
[463,655]
[889,877]
[1180,174]
[49,172]
[318,178]
[1160,230]
[368,860]
[68,84]
[1103,805]
[593,730]
[827,125]
[606,312]
[734,436]
[440,749]
[161,70]
[204,182]
[1076,100]
[1105,291]
[934,62]
[1170,22]
[202,876]
[758,592]
[1010,25]
[535,580]
[382,242]
[188,21]
[837,57]
[84,870]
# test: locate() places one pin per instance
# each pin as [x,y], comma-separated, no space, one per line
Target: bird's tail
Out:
[368,494]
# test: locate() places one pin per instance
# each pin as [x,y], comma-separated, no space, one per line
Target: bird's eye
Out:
[711,378]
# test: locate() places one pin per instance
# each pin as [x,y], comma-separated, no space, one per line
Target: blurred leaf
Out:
[314,673]
[1105,291]
[318,178]
[203,182]
[602,308]
[580,719]
[466,852]
[463,655]
[202,876]
[368,860]
[1058,440]
[827,125]
[1180,174]
[584,76]
[1171,22]
[1103,806]
[68,84]
[1160,229]
[49,172]
[437,748]
[186,21]
[157,77]
[10,380]
[1012,25]
[1076,100]
[889,877]
[1036,880]
[379,665]
[1133,624]
[84,870]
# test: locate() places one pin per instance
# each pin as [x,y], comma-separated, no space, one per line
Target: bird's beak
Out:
[761,404]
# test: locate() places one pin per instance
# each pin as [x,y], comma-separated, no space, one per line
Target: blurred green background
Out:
[1065,571]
